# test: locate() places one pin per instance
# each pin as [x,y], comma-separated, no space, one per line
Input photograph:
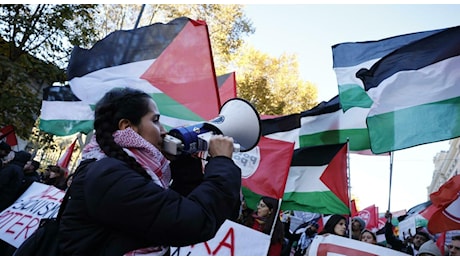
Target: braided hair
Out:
[117,104]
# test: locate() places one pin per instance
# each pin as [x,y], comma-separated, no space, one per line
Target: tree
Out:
[35,45]
[273,84]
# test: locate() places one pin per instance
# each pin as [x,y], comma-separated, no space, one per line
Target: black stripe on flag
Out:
[315,155]
[59,93]
[413,56]
[124,46]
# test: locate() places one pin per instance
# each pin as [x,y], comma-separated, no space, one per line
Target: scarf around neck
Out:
[146,154]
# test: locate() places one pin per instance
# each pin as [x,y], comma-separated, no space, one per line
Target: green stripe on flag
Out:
[335,137]
[302,200]
[251,198]
[390,131]
[66,127]
[352,95]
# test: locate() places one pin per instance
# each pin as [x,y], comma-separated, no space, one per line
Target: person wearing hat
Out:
[429,248]
[357,226]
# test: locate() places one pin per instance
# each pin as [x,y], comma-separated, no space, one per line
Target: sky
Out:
[310,31]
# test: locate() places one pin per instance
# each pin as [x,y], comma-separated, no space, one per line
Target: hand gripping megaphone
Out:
[237,119]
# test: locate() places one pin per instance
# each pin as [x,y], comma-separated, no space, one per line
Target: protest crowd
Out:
[132,194]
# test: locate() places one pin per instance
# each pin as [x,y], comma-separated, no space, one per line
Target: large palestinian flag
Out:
[172,62]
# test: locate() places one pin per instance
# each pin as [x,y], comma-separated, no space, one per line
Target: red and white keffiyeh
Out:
[146,154]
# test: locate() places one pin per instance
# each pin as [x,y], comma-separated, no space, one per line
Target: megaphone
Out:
[237,119]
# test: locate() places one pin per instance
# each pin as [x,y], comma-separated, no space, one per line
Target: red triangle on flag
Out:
[335,175]
[67,156]
[8,133]
[185,71]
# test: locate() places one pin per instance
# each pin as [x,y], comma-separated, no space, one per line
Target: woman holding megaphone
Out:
[122,203]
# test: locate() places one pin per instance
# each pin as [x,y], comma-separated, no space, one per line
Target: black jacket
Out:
[113,209]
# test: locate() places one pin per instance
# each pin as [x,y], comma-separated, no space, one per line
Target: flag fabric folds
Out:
[8,135]
[350,57]
[67,156]
[227,87]
[447,200]
[63,114]
[318,180]
[322,125]
[264,169]
[172,62]
[414,91]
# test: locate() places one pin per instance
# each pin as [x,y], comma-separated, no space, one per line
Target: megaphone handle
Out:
[236,148]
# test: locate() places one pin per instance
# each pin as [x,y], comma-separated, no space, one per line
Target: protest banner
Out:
[332,245]
[232,239]
[21,219]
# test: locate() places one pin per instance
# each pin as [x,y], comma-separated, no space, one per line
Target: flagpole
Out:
[349,185]
[391,176]
[139,16]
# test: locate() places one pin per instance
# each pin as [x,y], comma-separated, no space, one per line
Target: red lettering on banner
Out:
[50,193]
[17,223]
[230,234]
[29,228]
[325,248]
[208,249]
[6,217]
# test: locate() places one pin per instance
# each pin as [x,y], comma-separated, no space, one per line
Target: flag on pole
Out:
[322,125]
[169,60]
[8,135]
[413,91]
[318,180]
[350,57]
[264,169]
[172,62]
[227,87]
[447,200]
[370,215]
[67,156]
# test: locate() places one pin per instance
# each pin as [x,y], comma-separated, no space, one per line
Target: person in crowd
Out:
[357,226]
[262,220]
[31,171]
[11,178]
[336,225]
[6,154]
[122,201]
[306,237]
[429,248]
[11,187]
[413,243]
[368,237]
[245,212]
[454,246]
[56,177]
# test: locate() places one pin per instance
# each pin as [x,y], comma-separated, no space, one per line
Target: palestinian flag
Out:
[227,87]
[322,125]
[8,135]
[264,169]
[63,114]
[318,180]
[350,57]
[172,62]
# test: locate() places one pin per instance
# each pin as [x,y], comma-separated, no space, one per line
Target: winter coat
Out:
[113,209]
[11,180]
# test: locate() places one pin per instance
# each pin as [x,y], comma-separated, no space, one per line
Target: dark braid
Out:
[117,104]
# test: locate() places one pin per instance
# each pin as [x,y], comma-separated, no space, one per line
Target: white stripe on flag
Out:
[305,179]
[91,87]
[287,136]
[66,110]
[354,118]
[433,83]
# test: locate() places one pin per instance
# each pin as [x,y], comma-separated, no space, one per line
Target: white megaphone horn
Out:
[237,119]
